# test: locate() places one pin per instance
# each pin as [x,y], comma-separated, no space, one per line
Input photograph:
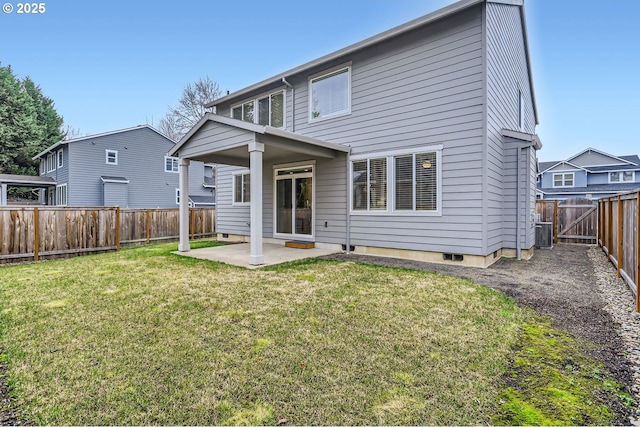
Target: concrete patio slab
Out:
[238,254]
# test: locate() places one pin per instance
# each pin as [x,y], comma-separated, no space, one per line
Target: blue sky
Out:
[111,64]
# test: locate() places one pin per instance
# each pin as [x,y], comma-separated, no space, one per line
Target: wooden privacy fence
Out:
[574,220]
[619,236]
[32,233]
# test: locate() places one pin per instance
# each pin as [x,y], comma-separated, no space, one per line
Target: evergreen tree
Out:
[29,123]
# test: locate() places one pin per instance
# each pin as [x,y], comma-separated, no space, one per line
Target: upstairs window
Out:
[60,159]
[170,164]
[111,157]
[51,162]
[241,188]
[43,166]
[624,176]
[563,179]
[330,94]
[266,111]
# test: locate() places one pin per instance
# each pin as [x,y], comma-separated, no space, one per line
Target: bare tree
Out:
[190,108]
[71,133]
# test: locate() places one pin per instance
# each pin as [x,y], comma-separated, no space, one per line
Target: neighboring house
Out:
[126,168]
[418,142]
[591,174]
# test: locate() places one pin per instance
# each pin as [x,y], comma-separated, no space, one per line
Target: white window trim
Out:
[43,166]
[233,188]
[51,162]
[310,98]
[391,201]
[633,177]
[66,193]
[312,174]
[60,158]
[255,106]
[106,157]
[368,160]
[173,159]
[553,179]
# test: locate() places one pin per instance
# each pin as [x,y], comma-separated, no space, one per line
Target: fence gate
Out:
[574,220]
[578,221]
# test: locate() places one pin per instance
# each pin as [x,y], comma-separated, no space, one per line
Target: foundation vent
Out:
[453,257]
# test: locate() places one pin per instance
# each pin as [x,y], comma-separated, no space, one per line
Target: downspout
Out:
[293,104]
[348,222]
[518,206]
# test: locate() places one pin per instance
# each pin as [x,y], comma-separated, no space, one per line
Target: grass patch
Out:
[155,338]
[555,384]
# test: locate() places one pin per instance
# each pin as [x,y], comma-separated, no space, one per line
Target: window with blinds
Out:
[414,185]
[330,94]
[416,182]
[370,184]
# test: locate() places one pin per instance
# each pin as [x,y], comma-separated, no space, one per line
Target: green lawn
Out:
[144,336]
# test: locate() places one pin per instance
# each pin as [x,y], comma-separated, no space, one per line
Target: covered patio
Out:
[227,141]
[238,254]
[8,180]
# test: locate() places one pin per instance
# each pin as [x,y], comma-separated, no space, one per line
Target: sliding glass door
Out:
[294,202]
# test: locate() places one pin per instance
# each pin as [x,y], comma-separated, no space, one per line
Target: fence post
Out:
[556,223]
[117,228]
[620,255]
[609,227]
[147,225]
[36,233]
[599,233]
[637,251]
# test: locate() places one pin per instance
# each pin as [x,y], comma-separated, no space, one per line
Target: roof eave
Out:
[98,135]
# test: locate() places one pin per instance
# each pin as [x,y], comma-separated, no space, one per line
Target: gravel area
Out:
[575,286]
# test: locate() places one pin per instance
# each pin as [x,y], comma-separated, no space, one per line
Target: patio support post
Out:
[255,164]
[183,246]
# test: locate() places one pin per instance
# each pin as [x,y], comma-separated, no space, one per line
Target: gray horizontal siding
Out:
[422,88]
[592,158]
[330,203]
[225,137]
[140,159]
[425,87]
[196,179]
[507,74]
[230,219]
[61,175]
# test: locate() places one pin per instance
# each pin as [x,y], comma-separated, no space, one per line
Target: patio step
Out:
[300,244]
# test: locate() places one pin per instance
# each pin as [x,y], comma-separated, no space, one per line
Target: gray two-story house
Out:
[590,174]
[126,168]
[417,142]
